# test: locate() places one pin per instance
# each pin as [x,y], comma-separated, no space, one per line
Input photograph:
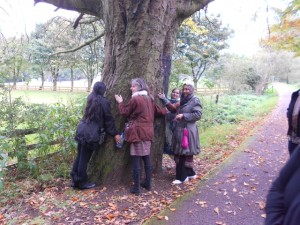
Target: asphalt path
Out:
[235,192]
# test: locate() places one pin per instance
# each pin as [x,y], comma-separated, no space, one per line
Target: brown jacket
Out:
[140,112]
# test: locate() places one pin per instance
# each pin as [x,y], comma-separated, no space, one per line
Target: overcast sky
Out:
[246,18]
[18,16]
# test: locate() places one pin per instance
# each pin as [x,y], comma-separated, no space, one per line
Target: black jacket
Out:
[283,199]
[290,113]
[90,131]
[108,120]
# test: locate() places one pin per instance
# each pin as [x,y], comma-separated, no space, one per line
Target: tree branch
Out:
[81,6]
[77,20]
[79,47]
[187,8]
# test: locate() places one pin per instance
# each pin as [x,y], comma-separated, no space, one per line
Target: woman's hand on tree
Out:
[119,98]
[118,138]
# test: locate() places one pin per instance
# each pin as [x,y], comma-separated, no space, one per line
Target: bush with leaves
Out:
[51,130]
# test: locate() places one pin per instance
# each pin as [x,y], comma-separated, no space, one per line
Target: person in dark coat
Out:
[293,116]
[188,112]
[283,199]
[97,116]
[140,112]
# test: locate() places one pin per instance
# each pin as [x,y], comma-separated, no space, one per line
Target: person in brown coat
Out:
[140,112]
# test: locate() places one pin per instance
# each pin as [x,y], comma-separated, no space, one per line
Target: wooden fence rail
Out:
[50,88]
[23,133]
[203,91]
[210,91]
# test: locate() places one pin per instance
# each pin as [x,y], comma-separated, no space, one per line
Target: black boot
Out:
[83,186]
[147,182]
[136,178]
[74,185]
[74,181]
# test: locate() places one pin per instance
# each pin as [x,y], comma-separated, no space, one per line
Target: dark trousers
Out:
[182,172]
[79,170]
[136,162]
[291,147]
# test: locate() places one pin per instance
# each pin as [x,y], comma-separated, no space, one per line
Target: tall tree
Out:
[92,55]
[13,59]
[285,34]
[84,46]
[200,40]
[139,39]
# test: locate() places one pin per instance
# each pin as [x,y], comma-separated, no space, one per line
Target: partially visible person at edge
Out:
[170,116]
[293,116]
[140,112]
[97,114]
[188,112]
[283,199]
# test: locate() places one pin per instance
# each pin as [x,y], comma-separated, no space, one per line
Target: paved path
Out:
[235,193]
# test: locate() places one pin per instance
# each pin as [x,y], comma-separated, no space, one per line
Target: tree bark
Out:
[72,79]
[139,37]
[54,72]
[43,79]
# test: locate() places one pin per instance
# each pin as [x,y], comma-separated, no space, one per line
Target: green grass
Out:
[231,112]
[235,108]
[218,135]
[48,97]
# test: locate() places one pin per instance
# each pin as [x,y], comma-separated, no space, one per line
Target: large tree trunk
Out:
[139,37]
[138,43]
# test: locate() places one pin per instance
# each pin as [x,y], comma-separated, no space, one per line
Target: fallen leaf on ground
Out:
[217,210]
[261,205]
[110,216]
[160,217]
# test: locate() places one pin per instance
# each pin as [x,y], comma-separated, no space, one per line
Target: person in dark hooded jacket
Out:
[97,116]
[293,116]
[283,199]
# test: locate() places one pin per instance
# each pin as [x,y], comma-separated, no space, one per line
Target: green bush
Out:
[54,122]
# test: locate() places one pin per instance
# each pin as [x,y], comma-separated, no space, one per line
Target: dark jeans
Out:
[291,147]
[182,172]
[136,162]
[84,153]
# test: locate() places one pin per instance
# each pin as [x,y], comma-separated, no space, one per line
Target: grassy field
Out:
[48,97]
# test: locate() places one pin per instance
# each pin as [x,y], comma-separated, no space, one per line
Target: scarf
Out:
[295,115]
[174,100]
[184,100]
[139,93]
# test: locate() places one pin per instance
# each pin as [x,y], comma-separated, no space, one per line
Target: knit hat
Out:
[99,88]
